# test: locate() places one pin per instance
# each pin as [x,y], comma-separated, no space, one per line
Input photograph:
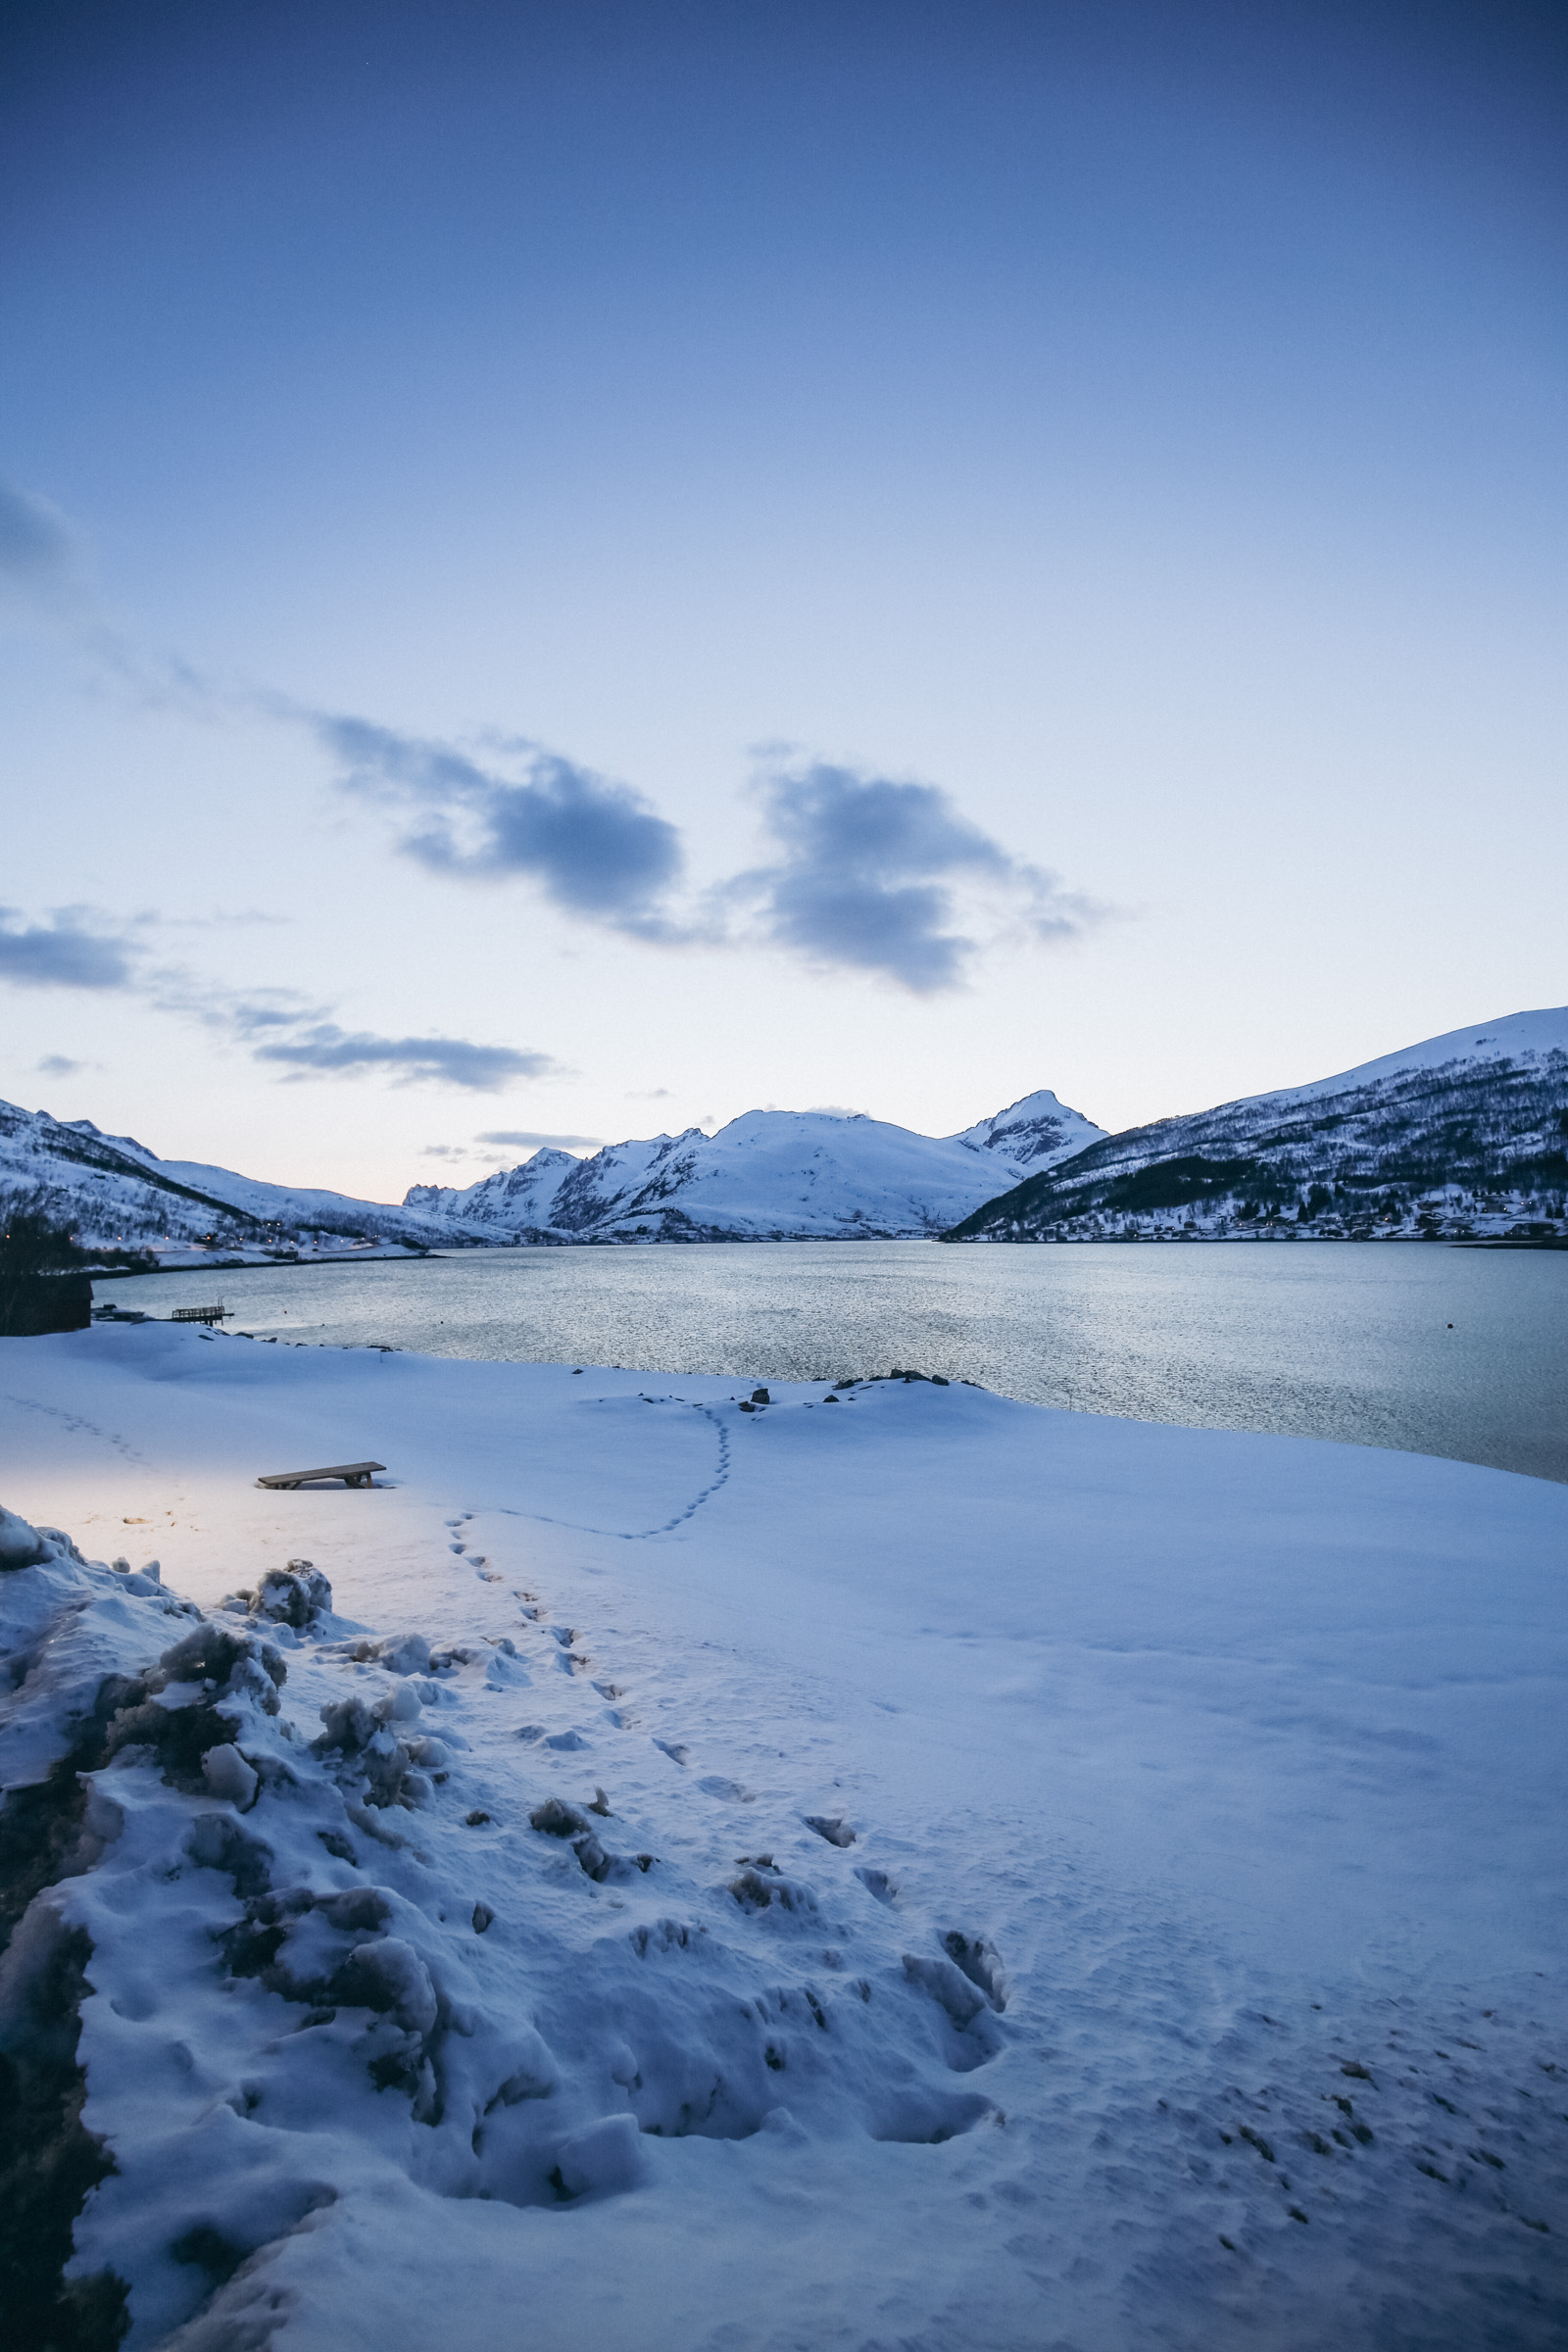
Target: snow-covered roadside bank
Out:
[1185,1773]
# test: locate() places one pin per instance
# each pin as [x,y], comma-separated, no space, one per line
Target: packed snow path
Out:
[960,1876]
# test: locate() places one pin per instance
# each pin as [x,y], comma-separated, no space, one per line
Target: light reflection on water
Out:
[1329,1340]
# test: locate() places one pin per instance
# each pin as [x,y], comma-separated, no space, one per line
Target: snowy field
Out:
[916,1871]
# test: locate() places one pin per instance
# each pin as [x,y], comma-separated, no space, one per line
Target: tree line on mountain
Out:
[1377,1154]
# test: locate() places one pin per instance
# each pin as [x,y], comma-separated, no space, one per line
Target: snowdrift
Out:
[883,1865]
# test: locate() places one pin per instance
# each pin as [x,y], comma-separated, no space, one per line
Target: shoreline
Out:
[257,1265]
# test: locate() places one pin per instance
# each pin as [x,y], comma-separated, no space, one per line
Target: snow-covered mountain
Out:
[1034,1132]
[769,1175]
[1463,1133]
[113,1189]
[773,1173]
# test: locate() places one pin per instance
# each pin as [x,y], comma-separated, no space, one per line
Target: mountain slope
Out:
[112,1189]
[1467,1132]
[769,1175]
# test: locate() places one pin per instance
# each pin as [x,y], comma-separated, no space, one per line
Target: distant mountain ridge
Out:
[1463,1134]
[785,1174]
[768,1175]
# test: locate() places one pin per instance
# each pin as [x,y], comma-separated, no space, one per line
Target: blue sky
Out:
[579,569]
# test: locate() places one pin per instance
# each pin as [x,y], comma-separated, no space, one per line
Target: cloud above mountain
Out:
[282,1028]
[600,851]
[868,874]
[888,877]
[524,1137]
[327,1051]
[72,950]
[77,948]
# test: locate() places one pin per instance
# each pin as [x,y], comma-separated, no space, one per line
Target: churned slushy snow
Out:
[907,1869]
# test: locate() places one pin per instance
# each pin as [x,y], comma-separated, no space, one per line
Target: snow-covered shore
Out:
[1193,1976]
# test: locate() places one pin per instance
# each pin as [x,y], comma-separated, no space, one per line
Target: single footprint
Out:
[877,1883]
[974,2037]
[674,1751]
[835,1830]
[981,1963]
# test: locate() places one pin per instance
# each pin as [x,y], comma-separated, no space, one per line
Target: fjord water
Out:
[1431,1349]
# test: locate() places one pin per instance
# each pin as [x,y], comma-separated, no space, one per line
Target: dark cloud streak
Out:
[66,952]
[523,1137]
[327,1051]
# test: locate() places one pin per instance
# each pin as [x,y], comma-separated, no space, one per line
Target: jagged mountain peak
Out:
[1033,1131]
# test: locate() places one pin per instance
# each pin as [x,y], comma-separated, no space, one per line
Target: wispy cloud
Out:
[243,1013]
[59,1065]
[596,848]
[72,950]
[523,1137]
[329,1051]
[40,554]
[877,875]
[77,948]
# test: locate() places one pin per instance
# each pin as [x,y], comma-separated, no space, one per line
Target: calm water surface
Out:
[1324,1339]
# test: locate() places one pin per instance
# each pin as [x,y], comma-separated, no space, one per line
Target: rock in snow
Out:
[1033,1879]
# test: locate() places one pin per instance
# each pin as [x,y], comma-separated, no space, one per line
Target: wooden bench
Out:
[353,1474]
